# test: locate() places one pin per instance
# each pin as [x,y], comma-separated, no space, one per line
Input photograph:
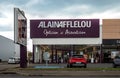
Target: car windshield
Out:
[78,56]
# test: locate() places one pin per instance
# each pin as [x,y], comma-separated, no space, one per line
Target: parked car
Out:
[116,61]
[14,60]
[77,60]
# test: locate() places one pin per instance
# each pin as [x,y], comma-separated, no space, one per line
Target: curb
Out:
[58,75]
[63,75]
[4,72]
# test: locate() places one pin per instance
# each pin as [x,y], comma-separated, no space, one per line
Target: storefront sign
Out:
[20,27]
[70,28]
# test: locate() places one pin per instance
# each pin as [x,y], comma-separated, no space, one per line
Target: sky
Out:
[55,9]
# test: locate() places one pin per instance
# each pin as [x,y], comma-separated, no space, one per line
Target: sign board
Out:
[64,28]
[46,55]
[65,31]
[20,27]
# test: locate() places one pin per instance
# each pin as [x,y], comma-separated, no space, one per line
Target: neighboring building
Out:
[8,49]
[111,38]
[111,29]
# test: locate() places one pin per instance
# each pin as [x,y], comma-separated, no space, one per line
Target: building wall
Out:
[111,29]
[8,49]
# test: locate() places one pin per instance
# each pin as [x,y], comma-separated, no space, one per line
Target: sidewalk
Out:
[64,73]
[72,73]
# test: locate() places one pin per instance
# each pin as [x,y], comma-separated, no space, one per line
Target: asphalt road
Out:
[19,76]
[4,66]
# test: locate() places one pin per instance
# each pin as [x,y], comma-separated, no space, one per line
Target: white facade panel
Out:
[75,41]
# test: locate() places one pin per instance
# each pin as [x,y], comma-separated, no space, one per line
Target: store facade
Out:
[65,37]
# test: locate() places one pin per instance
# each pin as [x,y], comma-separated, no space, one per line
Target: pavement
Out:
[74,73]
[71,73]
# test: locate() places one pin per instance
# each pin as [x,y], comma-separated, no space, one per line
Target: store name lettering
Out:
[64,24]
[66,32]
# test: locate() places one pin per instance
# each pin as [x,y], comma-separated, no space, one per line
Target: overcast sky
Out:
[55,9]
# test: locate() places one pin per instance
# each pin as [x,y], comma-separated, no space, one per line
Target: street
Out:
[19,76]
[82,74]
[4,66]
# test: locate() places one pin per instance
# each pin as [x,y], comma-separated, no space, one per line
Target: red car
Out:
[77,60]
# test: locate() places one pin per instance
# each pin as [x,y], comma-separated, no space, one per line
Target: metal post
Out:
[33,53]
[23,56]
[52,54]
[101,53]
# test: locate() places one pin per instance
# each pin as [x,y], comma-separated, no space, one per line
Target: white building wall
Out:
[8,48]
[17,50]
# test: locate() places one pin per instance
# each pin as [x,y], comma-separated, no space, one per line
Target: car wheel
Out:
[70,65]
[114,66]
[85,66]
